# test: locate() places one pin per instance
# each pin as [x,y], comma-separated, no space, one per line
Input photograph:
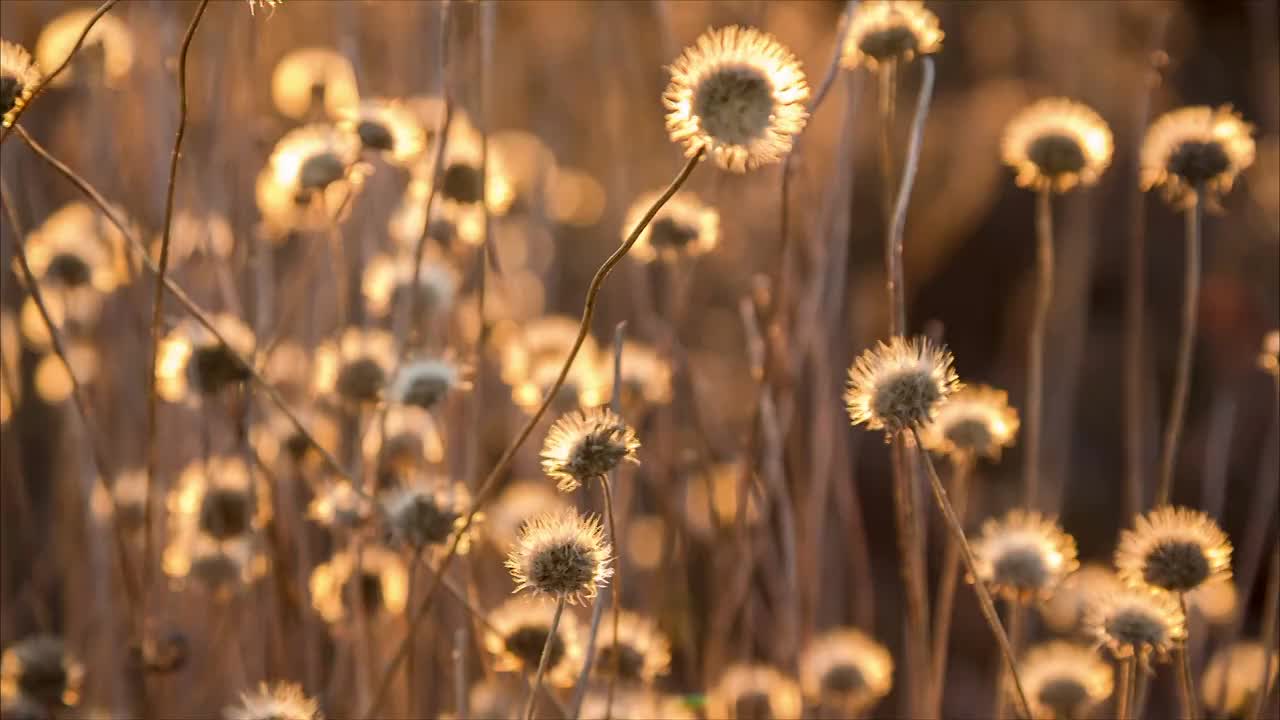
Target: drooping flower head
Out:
[976,421]
[846,670]
[517,632]
[887,30]
[684,227]
[1064,680]
[642,653]
[1196,151]
[585,445]
[41,668]
[18,79]
[1230,683]
[1023,555]
[1057,144]
[279,701]
[900,386]
[313,81]
[1134,622]
[751,692]
[738,94]
[1175,549]
[561,554]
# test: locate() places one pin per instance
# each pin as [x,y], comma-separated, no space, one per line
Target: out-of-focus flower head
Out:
[646,376]
[42,669]
[402,444]
[309,179]
[18,79]
[222,567]
[1023,555]
[883,31]
[1230,683]
[845,669]
[643,650]
[356,365]
[110,39]
[311,82]
[517,632]
[427,512]
[191,358]
[534,352]
[385,127]
[1269,358]
[974,422]
[754,691]
[1065,610]
[1064,680]
[279,701]
[1175,549]
[1056,143]
[684,227]
[219,498]
[277,440]
[10,367]
[1137,622]
[382,583]
[426,382]
[1196,151]
[388,280]
[713,498]
[197,235]
[53,379]
[338,505]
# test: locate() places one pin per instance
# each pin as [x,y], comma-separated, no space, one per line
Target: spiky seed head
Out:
[900,385]
[1134,622]
[1024,555]
[278,701]
[19,77]
[561,554]
[1196,151]
[1064,680]
[1175,549]
[1057,144]
[584,445]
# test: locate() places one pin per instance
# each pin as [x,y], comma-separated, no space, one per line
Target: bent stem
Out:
[487,485]
[961,467]
[1035,347]
[542,662]
[979,588]
[1190,306]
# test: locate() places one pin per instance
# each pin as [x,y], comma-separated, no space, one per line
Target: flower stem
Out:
[1190,307]
[1035,347]
[979,588]
[486,487]
[961,467]
[1124,691]
[1186,686]
[1271,609]
[542,662]
[1017,626]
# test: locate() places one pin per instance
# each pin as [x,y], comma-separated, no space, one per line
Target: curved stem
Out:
[979,588]
[1182,383]
[542,662]
[961,466]
[487,485]
[1035,347]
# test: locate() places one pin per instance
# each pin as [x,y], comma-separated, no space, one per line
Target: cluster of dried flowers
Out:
[375,390]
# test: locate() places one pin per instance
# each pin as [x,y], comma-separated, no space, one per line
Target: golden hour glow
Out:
[1057,144]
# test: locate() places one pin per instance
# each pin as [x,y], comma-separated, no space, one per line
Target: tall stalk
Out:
[1124,690]
[961,468]
[542,662]
[1186,344]
[1035,347]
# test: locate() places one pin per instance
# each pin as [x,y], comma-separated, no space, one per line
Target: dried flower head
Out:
[337,504]
[425,383]
[126,503]
[356,365]
[684,227]
[387,128]
[533,354]
[1175,549]
[561,554]
[517,632]
[1230,683]
[1134,622]
[313,157]
[584,445]
[219,497]
[1269,358]
[888,30]
[277,439]
[403,444]
[976,421]
[388,280]
[520,500]
[376,579]
[1064,680]
[738,94]
[900,385]
[1065,610]
[753,692]
[190,357]
[1215,603]
[311,82]
[41,668]
[222,567]
[18,79]
[428,513]
[279,701]
[846,670]
[1023,555]
[1057,144]
[1195,153]
[109,45]
[642,653]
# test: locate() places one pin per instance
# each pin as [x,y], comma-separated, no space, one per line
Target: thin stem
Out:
[1186,686]
[910,547]
[1190,307]
[1035,347]
[961,467]
[486,487]
[616,595]
[44,81]
[898,225]
[459,672]
[1017,625]
[411,662]
[1124,690]
[542,662]
[1271,609]
[157,306]
[979,588]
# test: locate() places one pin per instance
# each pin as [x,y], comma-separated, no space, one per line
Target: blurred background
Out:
[570,98]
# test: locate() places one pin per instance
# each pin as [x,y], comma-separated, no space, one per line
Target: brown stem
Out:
[1017,626]
[1190,307]
[979,588]
[1186,686]
[1035,347]
[961,466]
[1271,609]
[486,487]
[542,662]
[1124,691]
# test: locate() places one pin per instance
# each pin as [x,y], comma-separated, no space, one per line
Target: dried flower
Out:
[424,383]
[338,504]
[683,227]
[1057,144]
[402,443]
[563,555]
[219,497]
[276,439]
[1196,151]
[642,653]
[1269,358]
[533,354]
[750,692]
[738,94]
[223,567]
[356,365]
[1229,685]
[110,40]
[388,279]
[900,386]
[41,668]
[585,445]
[18,79]
[1023,555]
[517,632]
[385,127]
[975,421]
[279,701]
[190,357]
[1136,622]
[313,79]
[380,577]
[888,30]
[1064,680]
[1174,549]
[847,670]
[309,159]
[428,513]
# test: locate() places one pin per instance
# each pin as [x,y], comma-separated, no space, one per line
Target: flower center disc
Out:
[734,105]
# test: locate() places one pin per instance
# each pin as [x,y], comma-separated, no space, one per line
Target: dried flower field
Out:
[639,359]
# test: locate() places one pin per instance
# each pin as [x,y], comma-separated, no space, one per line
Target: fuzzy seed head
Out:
[976,421]
[585,445]
[1064,680]
[1196,151]
[847,670]
[279,701]
[562,555]
[1024,555]
[1175,549]
[517,631]
[899,386]
[1057,144]
[1137,623]
[887,30]
[754,692]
